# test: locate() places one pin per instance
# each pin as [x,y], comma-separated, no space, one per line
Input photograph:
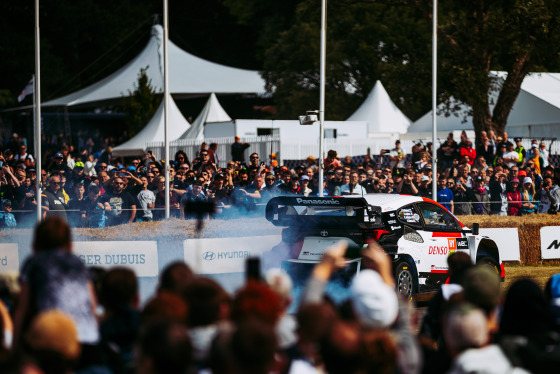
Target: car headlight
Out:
[413,237]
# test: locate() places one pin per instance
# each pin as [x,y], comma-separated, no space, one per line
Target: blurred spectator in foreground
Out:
[53,278]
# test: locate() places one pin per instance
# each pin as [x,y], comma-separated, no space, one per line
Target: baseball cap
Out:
[522,173]
[527,180]
[31,171]
[534,146]
[514,180]
[58,155]
[373,301]
[131,168]
[503,145]
[6,202]
[79,164]
[517,139]
[479,178]
[424,178]
[304,177]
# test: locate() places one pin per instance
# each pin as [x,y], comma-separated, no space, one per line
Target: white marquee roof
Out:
[536,112]
[212,112]
[381,113]
[188,75]
[154,131]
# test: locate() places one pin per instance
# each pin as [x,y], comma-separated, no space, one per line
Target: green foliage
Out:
[141,104]
[366,42]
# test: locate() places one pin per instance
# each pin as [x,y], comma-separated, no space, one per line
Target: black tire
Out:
[406,278]
[490,262]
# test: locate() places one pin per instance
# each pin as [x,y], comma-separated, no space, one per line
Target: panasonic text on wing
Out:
[318,202]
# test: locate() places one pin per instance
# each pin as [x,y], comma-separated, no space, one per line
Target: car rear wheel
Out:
[490,262]
[406,279]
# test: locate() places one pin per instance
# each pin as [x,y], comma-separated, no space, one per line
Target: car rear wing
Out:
[323,212]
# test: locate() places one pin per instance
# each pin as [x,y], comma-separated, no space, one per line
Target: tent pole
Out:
[434,101]
[37,111]
[166,104]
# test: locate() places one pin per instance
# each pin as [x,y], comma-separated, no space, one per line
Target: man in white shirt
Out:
[398,157]
[510,157]
[354,187]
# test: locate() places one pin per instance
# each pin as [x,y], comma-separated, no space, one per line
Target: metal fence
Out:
[300,149]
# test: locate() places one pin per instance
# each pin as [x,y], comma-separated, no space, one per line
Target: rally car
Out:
[417,233]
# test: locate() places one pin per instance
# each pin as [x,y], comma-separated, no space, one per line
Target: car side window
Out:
[437,218]
[409,216]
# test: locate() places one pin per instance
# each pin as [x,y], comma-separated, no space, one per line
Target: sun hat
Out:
[514,180]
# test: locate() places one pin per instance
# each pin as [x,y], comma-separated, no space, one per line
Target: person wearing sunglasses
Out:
[53,201]
[119,204]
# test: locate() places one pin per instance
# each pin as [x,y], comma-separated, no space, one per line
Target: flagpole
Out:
[37,112]
[166,104]
[322,92]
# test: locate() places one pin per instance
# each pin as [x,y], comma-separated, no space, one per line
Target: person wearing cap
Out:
[498,192]
[238,150]
[514,197]
[528,203]
[521,152]
[77,176]
[305,182]
[498,159]
[58,164]
[7,218]
[425,188]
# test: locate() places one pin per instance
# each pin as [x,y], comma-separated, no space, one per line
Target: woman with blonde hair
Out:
[528,206]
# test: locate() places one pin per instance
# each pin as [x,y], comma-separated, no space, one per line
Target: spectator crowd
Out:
[95,189]
[65,318]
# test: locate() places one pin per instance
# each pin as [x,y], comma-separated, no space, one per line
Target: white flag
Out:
[26,91]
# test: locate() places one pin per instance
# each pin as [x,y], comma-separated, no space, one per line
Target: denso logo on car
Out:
[318,202]
[435,250]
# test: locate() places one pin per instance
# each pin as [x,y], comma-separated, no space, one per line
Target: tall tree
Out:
[478,36]
[365,42]
[141,104]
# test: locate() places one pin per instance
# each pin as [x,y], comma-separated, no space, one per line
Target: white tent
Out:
[154,131]
[188,75]
[381,113]
[212,112]
[535,113]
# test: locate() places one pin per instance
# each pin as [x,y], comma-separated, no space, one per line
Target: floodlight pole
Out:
[322,92]
[434,101]
[166,104]
[37,112]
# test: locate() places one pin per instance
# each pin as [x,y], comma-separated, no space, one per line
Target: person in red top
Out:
[331,162]
[468,150]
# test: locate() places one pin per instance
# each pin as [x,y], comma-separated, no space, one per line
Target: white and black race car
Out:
[417,233]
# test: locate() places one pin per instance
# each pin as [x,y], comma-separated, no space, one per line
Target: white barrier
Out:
[225,255]
[141,257]
[550,242]
[9,257]
[507,240]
